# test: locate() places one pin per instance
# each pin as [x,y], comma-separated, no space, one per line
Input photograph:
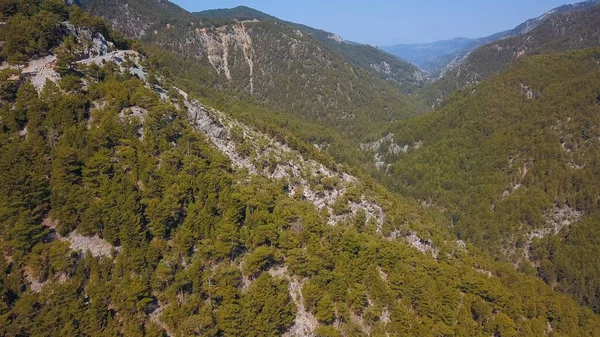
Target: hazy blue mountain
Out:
[436,58]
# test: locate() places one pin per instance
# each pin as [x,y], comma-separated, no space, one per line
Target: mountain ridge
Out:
[363,55]
[279,64]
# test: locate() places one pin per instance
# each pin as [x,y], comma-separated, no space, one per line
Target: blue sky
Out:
[388,22]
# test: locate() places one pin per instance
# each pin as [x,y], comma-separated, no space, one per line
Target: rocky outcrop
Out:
[40,70]
[89,43]
[93,245]
[557,219]
[262,155]
[423,245]
[387,146]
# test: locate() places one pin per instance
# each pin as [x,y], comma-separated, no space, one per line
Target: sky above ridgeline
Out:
[389,22]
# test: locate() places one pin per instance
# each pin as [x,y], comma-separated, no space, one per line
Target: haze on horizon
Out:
[388,22]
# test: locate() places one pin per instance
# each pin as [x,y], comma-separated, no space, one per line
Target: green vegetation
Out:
[514,155]
[293,69]
[402,74]
[176,241]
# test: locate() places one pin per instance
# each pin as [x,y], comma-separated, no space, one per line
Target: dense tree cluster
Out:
[505,156]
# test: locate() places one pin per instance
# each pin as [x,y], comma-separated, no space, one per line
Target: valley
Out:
[229,173]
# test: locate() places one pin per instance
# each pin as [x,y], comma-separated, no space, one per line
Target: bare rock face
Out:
[424,246]
[556,220]
[93,245]
[90,43]
[222,42]
[40,70]
[387,146]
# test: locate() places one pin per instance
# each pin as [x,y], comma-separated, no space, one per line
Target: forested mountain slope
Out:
[403,74]
[127,208]
[514,162]
[568,31]
[273,62]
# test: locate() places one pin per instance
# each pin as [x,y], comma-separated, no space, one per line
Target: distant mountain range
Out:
[557,33]
[436,58]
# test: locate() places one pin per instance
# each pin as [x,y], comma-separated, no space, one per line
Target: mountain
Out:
[571,30]
[403,74]
[439,57]
[129,208]
[276,63]
[513,162]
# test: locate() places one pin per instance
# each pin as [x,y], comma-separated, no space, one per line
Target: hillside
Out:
[514,163]
[275,63]
[438,58]
[404,75]
[129,208]
[568,31]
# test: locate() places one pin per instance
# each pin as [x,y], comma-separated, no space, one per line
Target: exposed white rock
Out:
[34,284]
[382,67]
[483,271]
[90,43]
[96,246]
[155,318]
[527,91]
[517,182]
[422,245]
[556,220]
[393,148]
[371,210]
[212,125]
[219,43]
[120,57]
[559,218]
[134,111]
[384,275]
[360,322]
[4,65]
[41,70]
[336,38]
[386,316]
[374,146]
